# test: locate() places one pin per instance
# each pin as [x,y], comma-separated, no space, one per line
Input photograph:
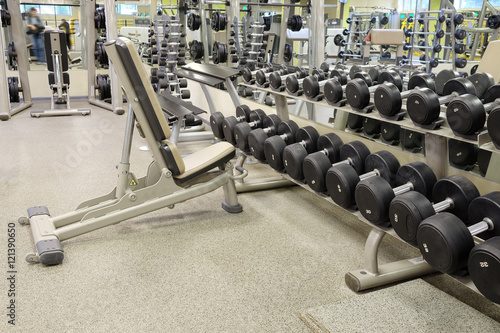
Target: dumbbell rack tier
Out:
[435,140]
[168,41]
[373,274]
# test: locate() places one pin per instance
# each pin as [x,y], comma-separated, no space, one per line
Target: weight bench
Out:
[211,75]
[170,178]
[57,51]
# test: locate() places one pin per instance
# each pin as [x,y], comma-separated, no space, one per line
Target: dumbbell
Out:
[358,90]
[462,154]
[316,165]
[276,79]
[424,105]
[294,84]
[312,86]
[388,98]
[374,195]
[493,124]
[248,75]
[466,114]
[294,154]
[242,130]
[390,132]
[334,88]
[274,145]
[261,77]
[446,242]
[484,265]
[452,194]
[258,136]
[341,180]
[372,70]
[217,120]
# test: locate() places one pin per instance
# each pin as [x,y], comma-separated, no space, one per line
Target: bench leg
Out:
[230,203]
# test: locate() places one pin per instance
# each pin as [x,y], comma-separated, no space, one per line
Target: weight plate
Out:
[419,174]
[246,73]
[384,163]
[331,143]
[423,106]
[482,82]
[407,211]
[371,126]
[311,87]
[261,77]
[460,190]
[337,39]
[355,121]
[271,122]
[374,73]
[444,242]
[373,197]
[341,181]
[483,160]
[421,80]
[357,93]
[442,77]
[243,112]
[484,267]
[466,114]
[333,91]
[459,85]
[486,206]
[493,124]
[393,77]
[308,135]
[492,94]
[273,149]
[256,140]
[228,125]
[390,132]
[275,80]
[340,75]
[387,99]
[292,84]
[462,153]
[365,77]
[356,153]
[315,167]
[216,120]
[293,158]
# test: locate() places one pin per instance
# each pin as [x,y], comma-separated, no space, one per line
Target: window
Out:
[126,9]
[411,5]
[476,4]
[48,9]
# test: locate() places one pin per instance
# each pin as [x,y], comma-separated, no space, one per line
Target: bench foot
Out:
[234,209]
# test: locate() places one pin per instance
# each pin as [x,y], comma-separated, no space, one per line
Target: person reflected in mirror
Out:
[35,30]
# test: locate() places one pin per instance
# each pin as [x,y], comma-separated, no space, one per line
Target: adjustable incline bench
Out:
[170,178]
[56,53]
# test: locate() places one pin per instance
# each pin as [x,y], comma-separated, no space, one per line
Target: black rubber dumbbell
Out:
[334,89]
[294,84]
[372,127]
[390,133]
[462,154]
[482,82]
[341,180]
[274,146]
[388,98]
[446,242]
[452,194]
[358,90]
[466,114]
[312,86]
[217,120]
[249,75]
[230,124]
[293,155]
[424,105]
[261,77]
[242,130]
[493,124]
[277,80]
[374,195]
[258,137]
[316,165]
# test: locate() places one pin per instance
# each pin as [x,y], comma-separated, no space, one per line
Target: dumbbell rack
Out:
[429,48]
[168,38]
[372,274]
[487,11]
[359,24]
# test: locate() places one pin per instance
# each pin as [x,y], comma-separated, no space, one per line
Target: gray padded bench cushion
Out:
[206,73]
[177,107]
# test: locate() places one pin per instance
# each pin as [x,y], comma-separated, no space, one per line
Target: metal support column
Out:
[111,34]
